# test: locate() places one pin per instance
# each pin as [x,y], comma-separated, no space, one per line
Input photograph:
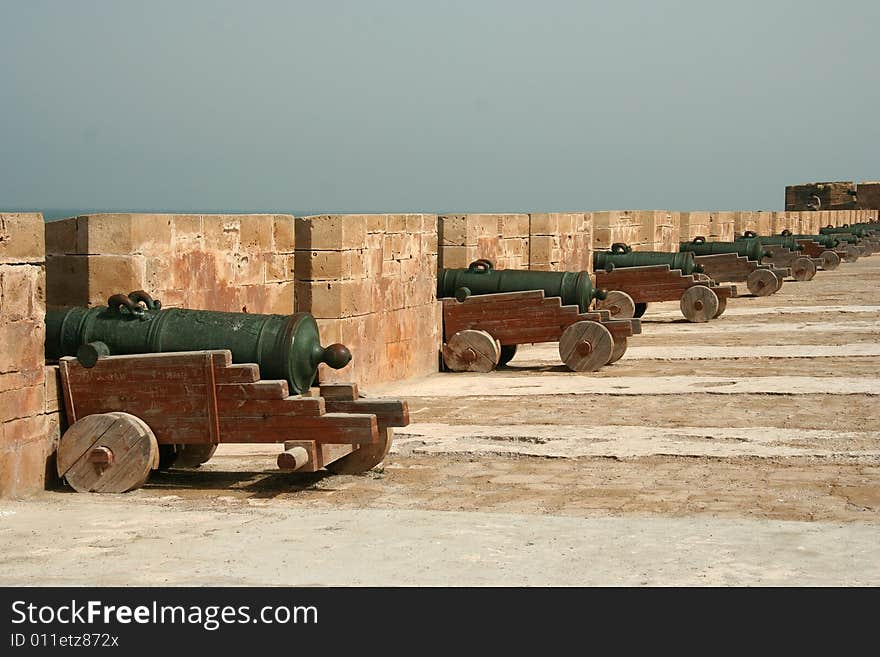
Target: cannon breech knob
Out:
[336,356]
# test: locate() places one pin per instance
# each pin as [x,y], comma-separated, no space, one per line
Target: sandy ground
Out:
[743,451]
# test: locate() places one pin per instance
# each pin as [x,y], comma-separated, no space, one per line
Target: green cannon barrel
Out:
[871,227]
[828,241]
[849,230]
[847,238]
[575,288]
[750,248]
[284,346]
[785,241]
[621,255]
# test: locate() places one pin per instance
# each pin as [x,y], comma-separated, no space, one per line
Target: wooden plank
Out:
[341,391]
[388,412]
[354,429]
[239,373]
[330,453]
[211,400]
[69,406]
[256,390]
[290,406]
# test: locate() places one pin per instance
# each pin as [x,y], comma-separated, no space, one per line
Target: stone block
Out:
[21,346]
[22,403]
[257,233]
[280,267]
[222,233]
[22,238]
[61,236]
[22,292]
[284,233]
[331,232]
[334,299]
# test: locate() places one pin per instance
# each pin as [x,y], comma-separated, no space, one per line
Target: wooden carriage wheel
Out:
[699,303]
[471,351]
[851,253]
[830,260]
[508,351]
[722,306]
[586,346]
[803,269]
[619,350]
[107,453]
[365,457]
[192,456]
[762,282]
[620,304]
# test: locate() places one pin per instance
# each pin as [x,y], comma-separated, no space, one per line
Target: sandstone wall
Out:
[643,230]
[371,281]
[560,241]
[501,238]
[29,422]
[214,262]
[693,224]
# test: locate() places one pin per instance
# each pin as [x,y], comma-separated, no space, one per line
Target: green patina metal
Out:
[284,346]
[785,241]
[752,248]
[575,288]
[621,255]
[828,241]
[857,231]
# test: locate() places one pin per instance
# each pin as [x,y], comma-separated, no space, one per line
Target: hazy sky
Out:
[433,106]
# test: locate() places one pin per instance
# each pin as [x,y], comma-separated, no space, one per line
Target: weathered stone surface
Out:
[213,262]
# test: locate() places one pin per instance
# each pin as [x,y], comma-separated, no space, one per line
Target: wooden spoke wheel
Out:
[192,456]
[508,351]
[619,350]
[471,351]
[586,346]
[107,453]
[722,306]
[852,253]
[762,282]
[620,304]
[640,309]
[699,303]
[803,269]
[830,260]
[365,457]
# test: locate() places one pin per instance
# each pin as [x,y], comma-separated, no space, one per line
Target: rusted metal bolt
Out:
[584,348]
[469,355]
[102,457]
[698,304]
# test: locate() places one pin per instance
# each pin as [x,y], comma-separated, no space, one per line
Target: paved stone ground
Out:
[743,451]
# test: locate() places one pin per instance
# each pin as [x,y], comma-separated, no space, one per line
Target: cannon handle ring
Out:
[620,248]
[785,233]
[482,265]
[140,296]
[117,301]
[699,240]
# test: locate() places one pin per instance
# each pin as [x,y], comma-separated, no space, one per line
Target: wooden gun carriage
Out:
[482,331]
[700,298]
[125,412]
